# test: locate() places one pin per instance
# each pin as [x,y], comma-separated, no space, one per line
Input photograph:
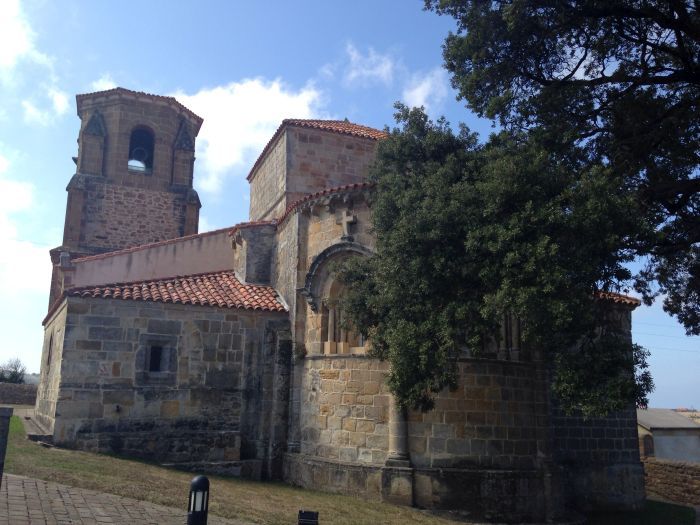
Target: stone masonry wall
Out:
[50,372]
[305,161]
[285,260]
[675,481]
[599,458]
[191,410]
[493,419]
[322,159]
[267,187]
[345,409]
[117,217]
[14,394]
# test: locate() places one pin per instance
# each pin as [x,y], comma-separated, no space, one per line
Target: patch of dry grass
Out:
[257,502]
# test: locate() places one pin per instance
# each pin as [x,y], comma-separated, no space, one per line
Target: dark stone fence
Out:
[675,481]
[14,394]
[5,415]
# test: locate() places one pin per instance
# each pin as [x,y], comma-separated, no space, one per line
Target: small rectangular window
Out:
[154,362]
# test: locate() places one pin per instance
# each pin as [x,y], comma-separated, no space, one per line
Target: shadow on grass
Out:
[653,513]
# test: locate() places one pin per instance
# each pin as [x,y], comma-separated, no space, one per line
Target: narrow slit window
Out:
[48,354]
[155,358]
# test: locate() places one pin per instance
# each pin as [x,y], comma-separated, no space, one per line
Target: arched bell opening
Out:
[141,146]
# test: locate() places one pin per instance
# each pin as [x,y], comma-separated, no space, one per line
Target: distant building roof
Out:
[664,418]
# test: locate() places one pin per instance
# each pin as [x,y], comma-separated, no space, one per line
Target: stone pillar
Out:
[295,386]
[397,474]
[5,415]
[398,437]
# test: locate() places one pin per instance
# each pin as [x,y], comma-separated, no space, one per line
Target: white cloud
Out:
[205,225]
[24,266]
[17,37]
[239,119]
[103,83]
[21,62]
[57,102]
[34,115]
[4,164]
[426,90]
[368,69]
[59,99]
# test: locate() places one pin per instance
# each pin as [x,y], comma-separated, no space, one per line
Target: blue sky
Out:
[243,66]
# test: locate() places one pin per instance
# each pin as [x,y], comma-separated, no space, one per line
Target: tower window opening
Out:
[141,150]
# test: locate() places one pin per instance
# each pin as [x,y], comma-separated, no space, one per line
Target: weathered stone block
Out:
[159,326]
[88,345]
[100,333]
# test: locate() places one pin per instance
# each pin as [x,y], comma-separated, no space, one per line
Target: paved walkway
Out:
[27,501]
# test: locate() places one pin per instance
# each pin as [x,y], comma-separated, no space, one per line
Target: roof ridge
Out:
[158,280]
[367,133]
[140,247]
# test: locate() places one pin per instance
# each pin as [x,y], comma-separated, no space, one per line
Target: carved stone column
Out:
[398,437]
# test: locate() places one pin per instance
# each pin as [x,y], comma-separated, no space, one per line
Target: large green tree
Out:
[614,84]
[468,233]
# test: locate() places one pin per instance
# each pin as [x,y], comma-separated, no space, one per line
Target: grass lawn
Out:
[257,502]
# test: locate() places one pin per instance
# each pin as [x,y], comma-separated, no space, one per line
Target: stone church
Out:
[223,351]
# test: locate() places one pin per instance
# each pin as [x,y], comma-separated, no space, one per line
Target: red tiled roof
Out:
[220,289]
[618,298]
[150,245]
[336,126]
[124,91]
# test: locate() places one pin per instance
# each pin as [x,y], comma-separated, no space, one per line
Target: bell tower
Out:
[133,182]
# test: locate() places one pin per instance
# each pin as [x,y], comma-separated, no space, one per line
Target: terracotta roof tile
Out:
[618,298]
[220,289]
[343,127]
[338,126]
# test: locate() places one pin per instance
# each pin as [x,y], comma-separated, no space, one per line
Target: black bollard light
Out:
[308,517]
[199,501]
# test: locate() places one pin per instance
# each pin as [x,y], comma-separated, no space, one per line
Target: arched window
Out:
[336,336]
[323,292]
[141,150]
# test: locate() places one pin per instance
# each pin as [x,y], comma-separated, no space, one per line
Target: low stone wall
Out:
[14,394]
[673,480]
[500,495]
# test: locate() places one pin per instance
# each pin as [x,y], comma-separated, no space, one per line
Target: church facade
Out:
[224,351]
